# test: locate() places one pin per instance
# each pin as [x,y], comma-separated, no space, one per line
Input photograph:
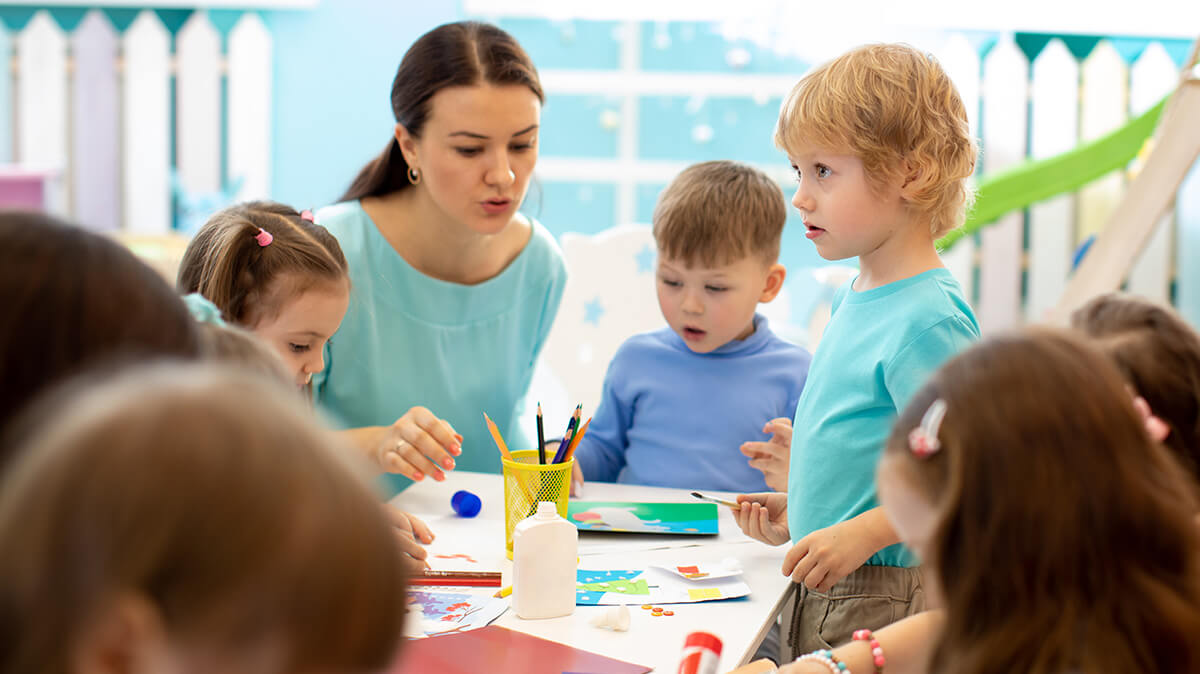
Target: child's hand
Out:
[763,517]
[772,457]
[411,532]
[576,480]
[822,558]
[419,444]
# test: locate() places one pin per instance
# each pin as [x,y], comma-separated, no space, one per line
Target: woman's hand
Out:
[418,444]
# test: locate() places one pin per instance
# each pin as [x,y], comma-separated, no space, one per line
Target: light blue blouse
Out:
[409,339]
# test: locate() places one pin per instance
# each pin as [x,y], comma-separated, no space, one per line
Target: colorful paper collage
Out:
[649,518]
[431,613]
[651,586]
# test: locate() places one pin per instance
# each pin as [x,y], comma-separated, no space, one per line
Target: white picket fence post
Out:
[95,125]
[1054,128]
[1104,107]
[249,147]
[1005,96]
[1153,76]
[198,97]
[960,60]
[42,101]
[147,126]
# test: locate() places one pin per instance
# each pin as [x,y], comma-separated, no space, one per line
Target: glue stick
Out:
[701,654]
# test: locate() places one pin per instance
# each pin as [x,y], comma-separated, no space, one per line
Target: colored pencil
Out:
[572,423]
[496,436]
[503,592]
[457,578]
[562,447]
[541,438]
[575,440]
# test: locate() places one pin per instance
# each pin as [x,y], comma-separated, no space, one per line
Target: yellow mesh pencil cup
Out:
[526,482]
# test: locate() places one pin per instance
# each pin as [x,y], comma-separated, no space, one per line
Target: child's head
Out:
[879,138]
[718,227]
[74,299]
[1159,355]
[274,272]
[232,345]
[1041,510]
[192,518]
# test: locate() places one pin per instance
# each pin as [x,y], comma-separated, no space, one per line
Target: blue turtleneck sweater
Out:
[671,417]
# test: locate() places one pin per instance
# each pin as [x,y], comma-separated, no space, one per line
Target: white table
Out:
[652,641]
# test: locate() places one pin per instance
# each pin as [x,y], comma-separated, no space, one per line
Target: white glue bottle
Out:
[544,562]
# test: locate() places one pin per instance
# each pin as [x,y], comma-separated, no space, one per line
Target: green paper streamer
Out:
[1032,181]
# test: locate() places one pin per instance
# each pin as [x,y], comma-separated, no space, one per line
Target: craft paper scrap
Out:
[651,586]
[434,613]
[649,518]
[726,568]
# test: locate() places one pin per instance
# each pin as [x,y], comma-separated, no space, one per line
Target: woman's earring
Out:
[414,176]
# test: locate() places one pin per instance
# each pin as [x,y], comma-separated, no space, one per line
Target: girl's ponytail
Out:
[238,256]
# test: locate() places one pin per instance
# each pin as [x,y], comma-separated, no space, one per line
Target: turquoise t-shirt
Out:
[877,351]
[409,339]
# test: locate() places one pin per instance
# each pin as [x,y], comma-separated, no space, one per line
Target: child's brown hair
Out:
[248,276]
[896,109]
[210,494]
[1066,539]
[717,212]
[1159,354]
[74,299]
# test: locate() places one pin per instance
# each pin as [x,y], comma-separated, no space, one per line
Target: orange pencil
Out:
[575,440]
[496,436]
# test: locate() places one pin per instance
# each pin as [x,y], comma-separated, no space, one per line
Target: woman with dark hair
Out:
[454,291]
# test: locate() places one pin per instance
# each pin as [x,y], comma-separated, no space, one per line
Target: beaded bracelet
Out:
[876,649]
[827,658]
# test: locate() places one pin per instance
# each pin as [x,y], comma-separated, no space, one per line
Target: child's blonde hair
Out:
[718,212]
[213,496]
[1066,539]
[894,108]
[249,276]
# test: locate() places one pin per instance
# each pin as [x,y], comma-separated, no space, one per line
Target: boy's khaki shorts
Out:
[869,598]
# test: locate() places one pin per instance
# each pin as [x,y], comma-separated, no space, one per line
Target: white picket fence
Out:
[1041,109]
[95,106]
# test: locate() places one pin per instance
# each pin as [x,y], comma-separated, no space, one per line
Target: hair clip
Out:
[263,238]
[923,440]
[308,215]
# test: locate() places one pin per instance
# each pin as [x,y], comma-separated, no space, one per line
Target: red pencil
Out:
[457,578]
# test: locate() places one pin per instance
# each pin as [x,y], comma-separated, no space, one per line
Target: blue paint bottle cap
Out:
[465,503]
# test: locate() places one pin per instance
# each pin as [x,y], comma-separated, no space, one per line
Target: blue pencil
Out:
[562,446]
[541,438]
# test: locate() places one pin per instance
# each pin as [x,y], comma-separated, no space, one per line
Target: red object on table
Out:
[497,650]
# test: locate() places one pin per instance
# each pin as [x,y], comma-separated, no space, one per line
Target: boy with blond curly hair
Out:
[879,142]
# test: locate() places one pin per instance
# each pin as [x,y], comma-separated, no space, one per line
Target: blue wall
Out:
[333,78]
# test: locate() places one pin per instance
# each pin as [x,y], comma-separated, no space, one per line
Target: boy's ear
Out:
[912,180]
[407,143]
[776,275]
